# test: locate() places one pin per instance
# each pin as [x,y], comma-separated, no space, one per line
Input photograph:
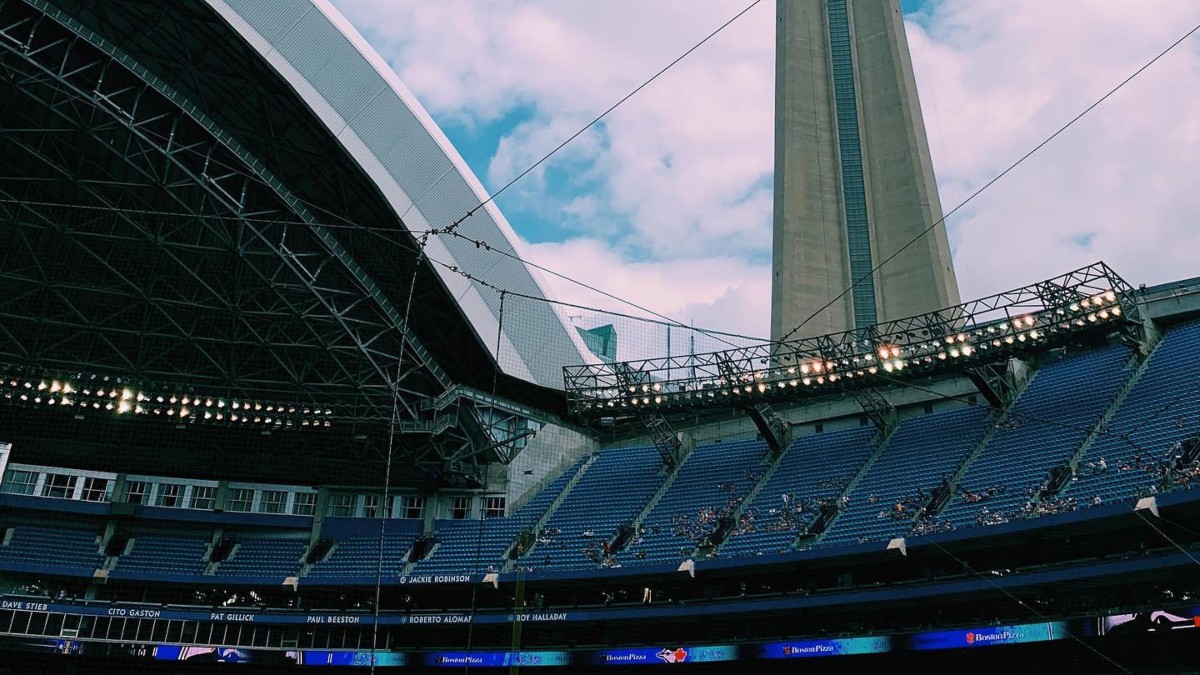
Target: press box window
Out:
[204,497]
[460,508]
[493,507]
[341,506]
[59,485]
[170,495]
[305,504]
[240,499]
[371,506]
[18,482]
[95,490]
[135,491]
[274,501]
[414,507]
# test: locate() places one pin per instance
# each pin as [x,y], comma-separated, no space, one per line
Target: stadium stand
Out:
[611,492]
[541,502]
[1158,412]
[76,551]
[814,470]
[264,558]
[920,452]
[709,486]
[472,546]
[359,556]
[1047,423]
[158,554]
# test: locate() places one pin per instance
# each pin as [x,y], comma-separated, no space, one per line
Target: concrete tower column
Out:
[854,181]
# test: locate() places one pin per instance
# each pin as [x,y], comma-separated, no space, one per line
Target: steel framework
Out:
[146,246]
[986,331]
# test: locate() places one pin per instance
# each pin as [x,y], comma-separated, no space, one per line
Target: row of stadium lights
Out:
[125,401]
[889,358]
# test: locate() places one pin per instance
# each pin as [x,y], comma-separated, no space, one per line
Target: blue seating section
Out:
[53,547]
[470,546]
[536,507]
[359,556]
[165,555]
[815,467]
[1072,395]
[461,543]
[611,493]
[919,452]
[1160,409]
[265,558]
[715,479]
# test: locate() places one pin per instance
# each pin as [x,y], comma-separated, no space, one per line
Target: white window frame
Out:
[277,499]
[206,493]
[89,490]
[32,486]
[304,504]
[237,496]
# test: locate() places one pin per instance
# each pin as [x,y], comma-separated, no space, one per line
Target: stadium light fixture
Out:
[129,399]
[985,331]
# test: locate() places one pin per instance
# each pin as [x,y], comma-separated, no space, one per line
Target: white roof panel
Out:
[393,139]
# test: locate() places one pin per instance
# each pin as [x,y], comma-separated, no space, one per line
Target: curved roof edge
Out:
[380,124]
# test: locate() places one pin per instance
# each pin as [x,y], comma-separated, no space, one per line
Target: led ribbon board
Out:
[799,649]
[496,659]
[991,635]
[666,654]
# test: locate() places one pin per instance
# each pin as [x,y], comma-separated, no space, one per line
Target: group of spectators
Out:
[985,516]
[1051,505]
[837,484]
[905,508]
[1031,509]
[971,497]
[787,519]
[932,526]
[705,521]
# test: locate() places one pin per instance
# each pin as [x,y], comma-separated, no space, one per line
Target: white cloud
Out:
[677,210]
[998,78]
[718,292]
[677,177]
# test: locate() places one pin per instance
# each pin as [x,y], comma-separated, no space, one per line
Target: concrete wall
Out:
[553,449]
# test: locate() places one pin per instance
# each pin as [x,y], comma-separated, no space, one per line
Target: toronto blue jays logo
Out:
[677,655]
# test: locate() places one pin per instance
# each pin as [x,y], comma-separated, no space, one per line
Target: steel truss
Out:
[662,435]
[465,428]
[244,294]
[774,429]
[990,330]
[878,409]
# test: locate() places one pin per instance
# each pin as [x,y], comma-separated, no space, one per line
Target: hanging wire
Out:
[486,476]
[385,508]
[1164,535]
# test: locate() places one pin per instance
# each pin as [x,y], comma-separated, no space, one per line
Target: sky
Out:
[667,201]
